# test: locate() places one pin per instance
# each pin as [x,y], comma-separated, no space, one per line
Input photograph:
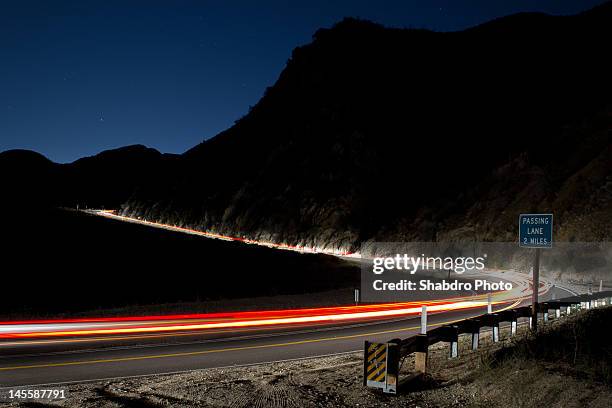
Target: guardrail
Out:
[382,365]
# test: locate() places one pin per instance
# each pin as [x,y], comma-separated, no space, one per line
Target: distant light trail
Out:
[288,247]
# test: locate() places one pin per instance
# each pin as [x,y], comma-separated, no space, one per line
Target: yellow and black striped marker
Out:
[376,364]
[379,366]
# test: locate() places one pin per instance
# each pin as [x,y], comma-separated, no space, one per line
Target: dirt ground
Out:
[472,380]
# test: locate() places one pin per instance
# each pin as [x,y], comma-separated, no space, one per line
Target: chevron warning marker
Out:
[381,366]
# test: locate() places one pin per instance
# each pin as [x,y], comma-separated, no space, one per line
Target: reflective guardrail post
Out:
[420,356]
[495,332]
[475,334]
[454,346]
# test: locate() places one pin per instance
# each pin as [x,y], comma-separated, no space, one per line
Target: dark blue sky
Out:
[78,77]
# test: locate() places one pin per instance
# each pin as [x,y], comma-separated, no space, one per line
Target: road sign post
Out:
[536,288]
[535,231]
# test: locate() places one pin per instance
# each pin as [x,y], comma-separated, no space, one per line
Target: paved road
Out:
[60,360]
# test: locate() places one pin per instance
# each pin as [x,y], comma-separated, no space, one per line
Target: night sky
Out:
[79,77]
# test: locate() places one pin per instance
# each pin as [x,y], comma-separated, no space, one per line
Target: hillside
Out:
[374,133]
[378,133]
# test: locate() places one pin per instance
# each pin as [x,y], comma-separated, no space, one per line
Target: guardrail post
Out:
[454,349]
[453,341]
[568,311]
[489,304]
[545,316]
[420,356]
[393,366]
[557,313]
[495,332]
[513,325]
[472,327]
[475,339]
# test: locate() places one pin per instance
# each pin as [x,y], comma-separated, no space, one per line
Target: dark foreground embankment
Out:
[64,262]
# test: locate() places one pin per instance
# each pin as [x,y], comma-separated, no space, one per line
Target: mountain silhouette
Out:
[394,134]
[105,180]
[378,133]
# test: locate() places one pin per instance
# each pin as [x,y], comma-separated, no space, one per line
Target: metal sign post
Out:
[536,288]
[535,231]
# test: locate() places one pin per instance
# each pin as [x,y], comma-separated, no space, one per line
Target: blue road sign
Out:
[535,230]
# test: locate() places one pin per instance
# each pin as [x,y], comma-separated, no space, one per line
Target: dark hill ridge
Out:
[106,179]
[27,179]
[383,133]
[392,134]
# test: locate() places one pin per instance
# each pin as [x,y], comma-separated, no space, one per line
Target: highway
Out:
[38,360]
[78,350]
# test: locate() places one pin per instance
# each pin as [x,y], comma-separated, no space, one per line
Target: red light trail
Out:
[132,325]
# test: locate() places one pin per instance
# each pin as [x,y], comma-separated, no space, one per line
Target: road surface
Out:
[52,352]
[77,358]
